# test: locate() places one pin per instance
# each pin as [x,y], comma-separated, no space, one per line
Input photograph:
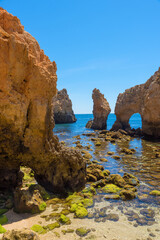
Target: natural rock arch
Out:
[143,99]
[136,124]
[27,86]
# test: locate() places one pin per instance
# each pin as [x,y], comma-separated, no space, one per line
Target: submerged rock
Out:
[27,86]
[63,112]
[143,99]
[101,110]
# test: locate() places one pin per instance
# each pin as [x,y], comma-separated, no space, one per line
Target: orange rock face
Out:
[101,110]
[27,85]
[145,100]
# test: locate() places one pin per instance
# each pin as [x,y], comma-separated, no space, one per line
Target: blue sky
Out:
[108,44]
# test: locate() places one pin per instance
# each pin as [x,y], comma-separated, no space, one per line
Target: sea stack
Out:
[145,100]
[27,87]
[101,110]
[62,104]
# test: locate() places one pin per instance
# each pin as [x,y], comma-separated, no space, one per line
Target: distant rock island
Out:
[101,110]
[62,104]
[145,100]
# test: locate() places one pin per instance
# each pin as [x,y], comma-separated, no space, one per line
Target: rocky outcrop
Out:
[27,86]
[101,110]
[145,100]
[27,201]
[24,234]
[62,105]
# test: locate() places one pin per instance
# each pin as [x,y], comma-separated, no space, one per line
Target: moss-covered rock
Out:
[39,229]
[3,219]
[82,232]
[2,229]
[87,202]
[67,231]
[111,188]
[65,211]
[64,220]
[155,193]
[81,212]
[53,226]
[42,206]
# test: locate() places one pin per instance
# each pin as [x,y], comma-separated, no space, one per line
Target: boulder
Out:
[27,87]
[101,110]
[143,99]
[63,112]
[27,201]
[24,234]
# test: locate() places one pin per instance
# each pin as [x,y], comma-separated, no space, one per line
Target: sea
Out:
[143,164]
[82,119]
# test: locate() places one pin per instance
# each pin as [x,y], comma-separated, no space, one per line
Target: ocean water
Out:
[143,164]
[82,119]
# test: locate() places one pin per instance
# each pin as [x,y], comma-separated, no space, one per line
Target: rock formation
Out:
[62,105]
[27,86]
[143,99]
[101,110]
[24,234]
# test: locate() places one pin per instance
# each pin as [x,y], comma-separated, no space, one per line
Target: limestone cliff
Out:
[145,100]
[27,86]
[62,105]
[101,110]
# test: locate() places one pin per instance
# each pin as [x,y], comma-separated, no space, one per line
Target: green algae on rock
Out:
[155,193]
[3,219]
[64,220]
[87,202]
[111,188]
[42,206]
[2,229]
[81,212]
[67,231]
[39,229]
[82,232]
[52,226]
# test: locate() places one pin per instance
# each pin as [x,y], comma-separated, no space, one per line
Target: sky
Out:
[111,45]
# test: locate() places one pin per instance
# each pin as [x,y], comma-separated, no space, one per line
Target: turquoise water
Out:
[142,163]
[79,126]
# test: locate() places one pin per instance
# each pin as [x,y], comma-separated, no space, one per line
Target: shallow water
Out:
[143,164]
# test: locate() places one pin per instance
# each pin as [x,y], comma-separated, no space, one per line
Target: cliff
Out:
[62,105]
[145,100]
[27,86]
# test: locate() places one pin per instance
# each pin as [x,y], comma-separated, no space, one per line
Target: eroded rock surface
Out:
[101,110]
[27,86]
[24,234]
[143,99]
[63,112]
